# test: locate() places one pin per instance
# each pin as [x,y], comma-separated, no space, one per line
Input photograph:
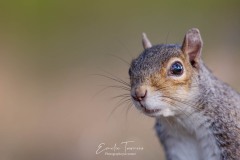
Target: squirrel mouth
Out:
[151,111]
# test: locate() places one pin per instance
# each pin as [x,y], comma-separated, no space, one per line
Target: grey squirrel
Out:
[197,115]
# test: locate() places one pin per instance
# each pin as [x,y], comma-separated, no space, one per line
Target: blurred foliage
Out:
[48,36]
[54,27]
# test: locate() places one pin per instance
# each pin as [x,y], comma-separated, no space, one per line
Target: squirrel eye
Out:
[176,69]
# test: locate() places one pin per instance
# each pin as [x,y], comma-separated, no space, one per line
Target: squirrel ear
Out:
[145,41]
[192,45]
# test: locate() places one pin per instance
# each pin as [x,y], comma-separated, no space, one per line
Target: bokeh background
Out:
[53,106]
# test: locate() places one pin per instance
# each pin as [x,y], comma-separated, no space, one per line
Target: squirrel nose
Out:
[140,94]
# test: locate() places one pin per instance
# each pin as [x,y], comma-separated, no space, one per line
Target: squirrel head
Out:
[164,77]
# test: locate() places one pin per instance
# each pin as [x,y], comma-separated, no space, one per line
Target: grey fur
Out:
[151,60]
[215,113]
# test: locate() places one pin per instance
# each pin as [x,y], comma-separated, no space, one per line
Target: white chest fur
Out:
[187,140]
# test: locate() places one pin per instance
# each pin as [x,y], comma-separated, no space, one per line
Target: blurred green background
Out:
[50,51]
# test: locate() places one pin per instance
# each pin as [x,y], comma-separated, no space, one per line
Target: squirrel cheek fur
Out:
[181,86]
[197,115]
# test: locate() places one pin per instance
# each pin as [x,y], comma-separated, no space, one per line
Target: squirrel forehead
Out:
[151,59]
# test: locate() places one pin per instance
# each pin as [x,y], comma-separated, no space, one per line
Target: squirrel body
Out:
[197,115]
